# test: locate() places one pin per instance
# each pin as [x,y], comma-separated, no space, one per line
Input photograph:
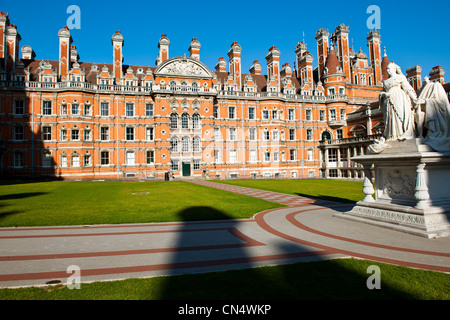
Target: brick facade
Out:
[87,120]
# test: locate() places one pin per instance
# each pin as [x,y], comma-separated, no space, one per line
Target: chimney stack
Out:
[65,41]
[12,47]
[341,34]
[74,56]
[256,67]
[221,65]
[4,21]
[304,64]
[118,43]
[437,74]
[286,70]
[194,49]
[374,44]
[322,49]
[234,57]
[273,65]
[28,53]
[163,46]
[414,76]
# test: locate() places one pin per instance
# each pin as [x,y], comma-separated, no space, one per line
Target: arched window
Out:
[195,121]
[326,136]
[194,86]
[173,85]
[185,144]
[183,86]
[174,144]
[196,144]
[184,121]
[173,121]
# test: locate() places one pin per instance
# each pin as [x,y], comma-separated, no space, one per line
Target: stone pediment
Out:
[184,67]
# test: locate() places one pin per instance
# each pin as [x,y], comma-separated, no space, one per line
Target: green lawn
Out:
[111,202]
[340,279]
[333,190]
[102,202]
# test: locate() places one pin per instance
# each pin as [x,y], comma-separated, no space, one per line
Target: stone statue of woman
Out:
[434,115]
[396,102]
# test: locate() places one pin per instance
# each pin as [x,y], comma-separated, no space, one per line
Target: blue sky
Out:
[414,32]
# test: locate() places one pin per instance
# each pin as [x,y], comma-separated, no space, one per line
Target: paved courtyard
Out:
[305,230]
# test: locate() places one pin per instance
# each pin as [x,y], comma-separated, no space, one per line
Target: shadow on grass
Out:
[6,181]
[226,269]
[15,196]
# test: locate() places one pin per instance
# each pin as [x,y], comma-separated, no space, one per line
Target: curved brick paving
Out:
[305,230]
[336,235]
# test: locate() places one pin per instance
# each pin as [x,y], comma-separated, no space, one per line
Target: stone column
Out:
[367,184]
[421,190]
[338,162]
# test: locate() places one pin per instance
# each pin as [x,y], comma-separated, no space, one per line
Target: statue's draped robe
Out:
[398,114]
[437,116]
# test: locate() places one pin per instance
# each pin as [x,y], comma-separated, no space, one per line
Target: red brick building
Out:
[87,120]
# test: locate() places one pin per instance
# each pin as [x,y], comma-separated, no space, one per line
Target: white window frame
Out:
[233,156]
[104,109]
[291,114]
[130,158]
[104,133]
[75,160]
[253,156]
[47,133]
[149,134]
[150,157]
[232,134]
[129,109]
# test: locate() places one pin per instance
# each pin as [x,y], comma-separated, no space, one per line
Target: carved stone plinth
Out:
[412,190]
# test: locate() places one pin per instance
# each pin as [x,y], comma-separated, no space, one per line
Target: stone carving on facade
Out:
[184,67]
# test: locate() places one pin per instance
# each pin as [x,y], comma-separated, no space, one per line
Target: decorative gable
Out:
[184,66]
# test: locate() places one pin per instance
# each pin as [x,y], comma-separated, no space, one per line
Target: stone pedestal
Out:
[412,189]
